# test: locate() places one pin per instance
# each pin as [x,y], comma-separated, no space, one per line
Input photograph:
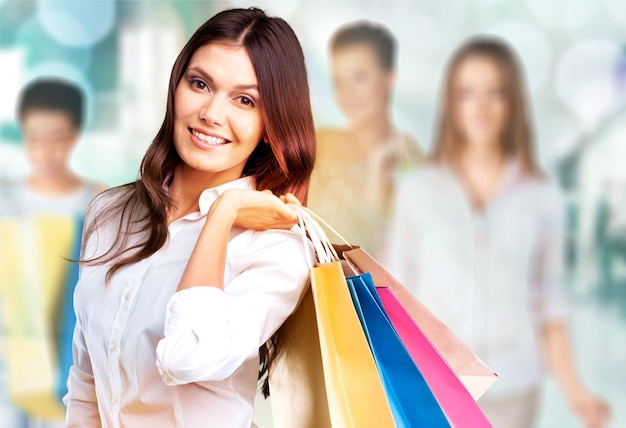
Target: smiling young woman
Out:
[188,272]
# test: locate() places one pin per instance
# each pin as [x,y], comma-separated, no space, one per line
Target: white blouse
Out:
[148,356]
[494,276]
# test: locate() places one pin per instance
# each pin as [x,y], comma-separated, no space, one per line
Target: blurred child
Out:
[50,113]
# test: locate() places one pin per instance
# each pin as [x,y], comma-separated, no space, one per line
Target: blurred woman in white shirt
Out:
[189,271]
[477,236]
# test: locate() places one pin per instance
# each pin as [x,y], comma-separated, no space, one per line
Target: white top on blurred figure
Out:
[354,171]
[50,111]
[478,235]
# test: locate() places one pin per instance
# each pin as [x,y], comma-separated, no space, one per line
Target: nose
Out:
[213,111]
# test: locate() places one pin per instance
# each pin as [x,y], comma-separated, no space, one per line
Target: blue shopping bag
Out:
[67,317]
[410,398]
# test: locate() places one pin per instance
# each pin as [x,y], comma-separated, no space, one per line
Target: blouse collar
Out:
[208,196]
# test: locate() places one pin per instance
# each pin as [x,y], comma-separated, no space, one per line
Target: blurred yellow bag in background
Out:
[32,278]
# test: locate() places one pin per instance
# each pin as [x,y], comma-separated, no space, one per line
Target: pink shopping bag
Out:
[456,402]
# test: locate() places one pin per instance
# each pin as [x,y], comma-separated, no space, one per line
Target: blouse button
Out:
[112,347]
[170,321]
[172,306]
[127,296]
[114,399]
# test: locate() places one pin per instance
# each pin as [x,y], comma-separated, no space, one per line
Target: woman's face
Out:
[218,120]
[361,85]
[481,107]
[49,138]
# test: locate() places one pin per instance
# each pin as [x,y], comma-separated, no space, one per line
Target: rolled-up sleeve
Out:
[210,332]
[549,300]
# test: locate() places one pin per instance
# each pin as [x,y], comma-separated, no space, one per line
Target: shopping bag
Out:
[298,393]
[456,402]
[32,274]
[475,375]
[355,393]
[325,375]
[66,315]
[411,400]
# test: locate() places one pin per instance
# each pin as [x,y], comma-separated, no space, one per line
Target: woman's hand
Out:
[592,411]
[249,209]
[258,210]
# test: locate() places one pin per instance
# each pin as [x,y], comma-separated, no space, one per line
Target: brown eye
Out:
[246,101]
[199,84]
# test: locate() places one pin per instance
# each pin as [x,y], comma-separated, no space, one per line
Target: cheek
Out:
[184,104]
[248,126]
[500,114]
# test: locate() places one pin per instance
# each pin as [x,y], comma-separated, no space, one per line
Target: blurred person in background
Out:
[478,236]
[50,113]
[355,166]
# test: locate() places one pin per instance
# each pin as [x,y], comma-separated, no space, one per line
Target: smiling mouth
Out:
[208,139]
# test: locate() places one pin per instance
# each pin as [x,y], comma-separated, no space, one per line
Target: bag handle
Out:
[309,223]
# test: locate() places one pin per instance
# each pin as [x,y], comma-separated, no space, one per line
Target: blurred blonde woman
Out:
[355,165]
[478,235]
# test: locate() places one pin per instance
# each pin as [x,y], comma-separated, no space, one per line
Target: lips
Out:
[207,140]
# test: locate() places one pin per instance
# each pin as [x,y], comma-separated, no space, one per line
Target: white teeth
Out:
[216,141]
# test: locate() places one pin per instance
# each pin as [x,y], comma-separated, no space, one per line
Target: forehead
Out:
[227,62]
[477,68]
[47,120]
[354,54]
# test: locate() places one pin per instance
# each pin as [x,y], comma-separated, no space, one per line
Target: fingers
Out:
[290,198]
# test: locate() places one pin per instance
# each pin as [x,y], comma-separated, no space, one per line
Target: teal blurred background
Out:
[573,51]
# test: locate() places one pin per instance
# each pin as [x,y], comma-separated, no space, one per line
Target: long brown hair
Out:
[282,165]
[517,141]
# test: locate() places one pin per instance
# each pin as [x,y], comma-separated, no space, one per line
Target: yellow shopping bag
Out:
[325,375]
[32,276]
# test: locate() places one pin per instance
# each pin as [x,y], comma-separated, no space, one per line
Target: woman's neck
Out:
[481,169]
[373,132]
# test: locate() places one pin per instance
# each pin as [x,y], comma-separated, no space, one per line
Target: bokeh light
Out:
[616,10]
[585,79]
[77,23]
[40,47]
[564,15]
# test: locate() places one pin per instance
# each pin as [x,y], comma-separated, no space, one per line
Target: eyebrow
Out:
[206,76]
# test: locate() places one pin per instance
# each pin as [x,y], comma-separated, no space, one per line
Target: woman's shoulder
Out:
[94,187]
[330,133]
[544,192]
[409,149]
